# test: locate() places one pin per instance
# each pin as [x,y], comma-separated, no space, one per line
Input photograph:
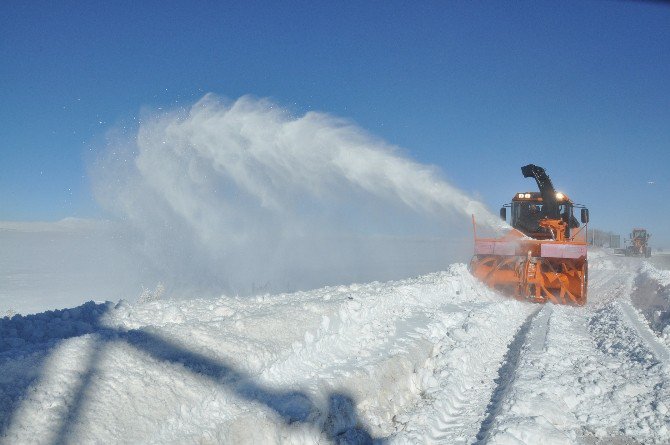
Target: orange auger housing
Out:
[543,257]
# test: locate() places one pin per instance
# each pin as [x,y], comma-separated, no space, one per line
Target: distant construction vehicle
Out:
[543,258]
[638,244]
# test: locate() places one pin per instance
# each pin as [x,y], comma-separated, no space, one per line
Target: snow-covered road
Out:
[434,359]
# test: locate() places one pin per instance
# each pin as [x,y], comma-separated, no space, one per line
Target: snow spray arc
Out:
[242,196]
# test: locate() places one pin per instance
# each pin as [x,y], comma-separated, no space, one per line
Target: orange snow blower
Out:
[543,256]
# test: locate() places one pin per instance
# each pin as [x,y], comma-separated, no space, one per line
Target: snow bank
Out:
[24,333]
[341,363]
[652,298]
[662,277]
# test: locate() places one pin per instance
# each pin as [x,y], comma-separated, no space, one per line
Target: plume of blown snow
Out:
[244,197]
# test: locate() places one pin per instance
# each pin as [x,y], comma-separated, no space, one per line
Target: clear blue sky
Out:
[476,88]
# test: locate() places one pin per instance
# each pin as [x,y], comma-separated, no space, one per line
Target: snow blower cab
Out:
[543,257]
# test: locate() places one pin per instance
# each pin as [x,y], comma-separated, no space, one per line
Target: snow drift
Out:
[652,296]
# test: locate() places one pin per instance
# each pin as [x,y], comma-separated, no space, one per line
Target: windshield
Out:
[526,216]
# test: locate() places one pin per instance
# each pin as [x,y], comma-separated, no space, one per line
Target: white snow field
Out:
[47,265]
[435,359]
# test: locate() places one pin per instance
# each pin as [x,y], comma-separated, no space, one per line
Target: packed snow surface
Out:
[434,359]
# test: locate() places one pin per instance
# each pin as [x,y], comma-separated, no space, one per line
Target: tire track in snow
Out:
[538,320]
[586,375]
[464,370]
[645,333]
[451,408]
[619,287]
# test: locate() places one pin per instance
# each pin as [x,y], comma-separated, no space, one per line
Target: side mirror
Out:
[585,216]
[503,213]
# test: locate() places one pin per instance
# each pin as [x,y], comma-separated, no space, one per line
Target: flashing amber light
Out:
[560,196]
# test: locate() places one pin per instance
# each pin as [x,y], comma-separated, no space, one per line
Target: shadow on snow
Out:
[33,337]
